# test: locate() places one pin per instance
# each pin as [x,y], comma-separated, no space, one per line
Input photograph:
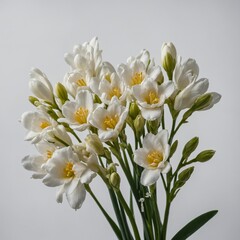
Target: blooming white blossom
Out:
[185,73]
[137,69]
[64,169]
[108,85]
[109,121]
[77,113]
[153,157]
[76,80]
[35,162]
[86,57]
[37,123]
[40,85]
[151,97]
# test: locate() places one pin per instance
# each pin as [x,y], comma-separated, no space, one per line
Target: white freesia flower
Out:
[35,162]
[151,97]
[58,136]
[109,86]
[188,95]
[153,157]
[64,169]
[109,121]
[137,69]
[185,73]
[76,80]
[37,123]
[77,113]
[86,57]
[40,85]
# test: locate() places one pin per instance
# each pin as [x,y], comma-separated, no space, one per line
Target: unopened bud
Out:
[94,144]
[168,58]
[34,101]
[190,147]
[61,92]
[139,124]
[115,180]
[153,126]
[204,156]
[134,110]
[202,102]
[160,78]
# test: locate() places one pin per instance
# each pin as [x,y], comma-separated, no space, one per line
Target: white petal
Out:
[149,177]
[165,168]
[77,196]
[151,114]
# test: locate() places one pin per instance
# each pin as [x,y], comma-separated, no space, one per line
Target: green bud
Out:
[190,147]
[139,124]
[115,180]
[94,143]
[34,101]
[173,148]
[202,102]
[184,176]
[204,156]
[153,126]
[134,110]
[61,92]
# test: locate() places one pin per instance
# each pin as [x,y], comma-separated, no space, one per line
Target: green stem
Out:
[129,214]
[109,219]
[166,216]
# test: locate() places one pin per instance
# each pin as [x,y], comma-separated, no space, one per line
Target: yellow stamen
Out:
[81,115]
[81,82]
[44,124]
[154,158]
[115,92]
[137,78]
[108,77]
[67,171]
[49,154]
[152,98]
[110,122]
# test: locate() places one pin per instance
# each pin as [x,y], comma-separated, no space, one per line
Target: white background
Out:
[38,33]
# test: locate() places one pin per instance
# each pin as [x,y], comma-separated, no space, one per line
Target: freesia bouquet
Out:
[108,105]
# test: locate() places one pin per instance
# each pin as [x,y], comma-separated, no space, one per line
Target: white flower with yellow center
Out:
[109,121]
[77,113]
[153,157]
[34,163]
[108,87]
[151,97]
[86,57]
[76,80]
[40,85]
[37,123]
[137,69]
[64,169]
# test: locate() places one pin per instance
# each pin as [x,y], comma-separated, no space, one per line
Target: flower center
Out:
[49,154]
[44,124]
[67,171]
[108,77]
[81,115]
[154,158]
[152,98]
[81,82]
[115,92]
[137,78]
[110,122]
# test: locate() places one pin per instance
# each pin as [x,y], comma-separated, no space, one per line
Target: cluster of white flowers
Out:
[100,100]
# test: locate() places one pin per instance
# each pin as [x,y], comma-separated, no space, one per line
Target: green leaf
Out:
[194,225]
[173,148]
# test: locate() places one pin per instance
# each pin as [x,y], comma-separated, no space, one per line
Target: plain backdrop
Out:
[38,33]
